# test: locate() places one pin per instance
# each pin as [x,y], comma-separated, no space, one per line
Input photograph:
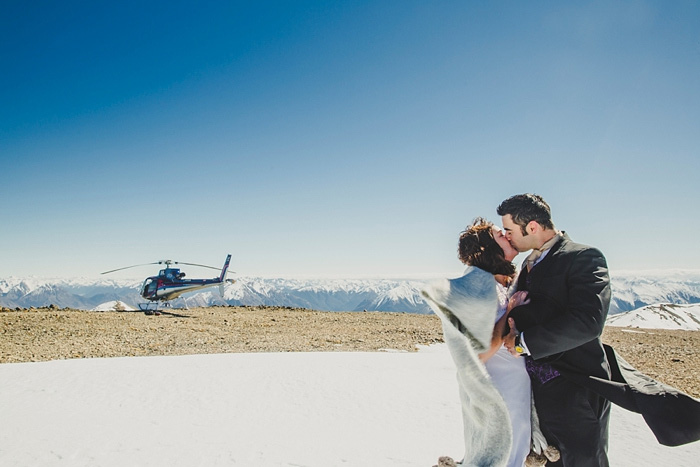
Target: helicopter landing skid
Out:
[151,308]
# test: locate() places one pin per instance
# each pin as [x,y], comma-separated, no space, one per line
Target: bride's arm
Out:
[496,340]
[499,330]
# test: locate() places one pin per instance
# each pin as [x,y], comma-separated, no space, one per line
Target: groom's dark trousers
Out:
[575,419]
[569,291]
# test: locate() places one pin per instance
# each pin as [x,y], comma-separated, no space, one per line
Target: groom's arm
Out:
[582,318]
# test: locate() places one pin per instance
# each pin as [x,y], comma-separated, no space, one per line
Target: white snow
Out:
[660,316]
[259,409]
[114,305]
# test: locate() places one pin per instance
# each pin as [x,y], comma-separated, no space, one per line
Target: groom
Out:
[558,330]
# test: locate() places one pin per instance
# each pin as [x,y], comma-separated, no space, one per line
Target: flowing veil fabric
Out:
[467,308]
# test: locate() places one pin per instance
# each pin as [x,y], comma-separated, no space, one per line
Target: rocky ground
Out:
[49,334]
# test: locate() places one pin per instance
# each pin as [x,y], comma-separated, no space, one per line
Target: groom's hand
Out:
[509,339]
[519,298]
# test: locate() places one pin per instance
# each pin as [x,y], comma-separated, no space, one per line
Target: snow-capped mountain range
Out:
[318,294]
[631,291]
[661,316]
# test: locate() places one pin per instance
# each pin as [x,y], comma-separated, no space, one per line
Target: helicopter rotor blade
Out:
[167,262]
[200,265]
[128,267]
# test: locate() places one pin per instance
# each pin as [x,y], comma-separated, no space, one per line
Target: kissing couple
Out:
[536,387]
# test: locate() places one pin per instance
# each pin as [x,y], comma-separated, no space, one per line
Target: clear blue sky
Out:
[341,138]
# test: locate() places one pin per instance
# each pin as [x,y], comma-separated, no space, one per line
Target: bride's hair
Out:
[478,248]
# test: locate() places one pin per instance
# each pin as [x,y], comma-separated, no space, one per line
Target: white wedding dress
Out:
[509,376]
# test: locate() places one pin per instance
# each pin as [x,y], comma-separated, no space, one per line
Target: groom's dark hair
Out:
[478,248]
[526,208]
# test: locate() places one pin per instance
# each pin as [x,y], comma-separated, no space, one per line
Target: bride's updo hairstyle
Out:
[478,248]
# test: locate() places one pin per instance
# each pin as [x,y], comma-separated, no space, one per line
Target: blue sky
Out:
[341,138]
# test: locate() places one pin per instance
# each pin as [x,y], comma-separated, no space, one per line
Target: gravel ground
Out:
[50,334]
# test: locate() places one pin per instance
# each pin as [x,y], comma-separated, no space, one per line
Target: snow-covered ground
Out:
[114,305]
[260,409]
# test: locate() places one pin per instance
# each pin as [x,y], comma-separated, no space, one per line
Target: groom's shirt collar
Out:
[559,236]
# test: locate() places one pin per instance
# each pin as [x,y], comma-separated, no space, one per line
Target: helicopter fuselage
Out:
[169,284]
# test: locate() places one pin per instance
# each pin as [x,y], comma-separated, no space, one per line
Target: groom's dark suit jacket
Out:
[570,294]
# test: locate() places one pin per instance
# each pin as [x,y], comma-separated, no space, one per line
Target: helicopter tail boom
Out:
[224,270]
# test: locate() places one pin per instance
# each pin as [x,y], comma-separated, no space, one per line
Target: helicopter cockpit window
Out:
[149,287]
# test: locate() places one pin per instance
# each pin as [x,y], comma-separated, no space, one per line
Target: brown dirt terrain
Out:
[51,334]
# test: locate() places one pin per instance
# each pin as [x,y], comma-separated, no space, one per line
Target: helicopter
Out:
[170,283]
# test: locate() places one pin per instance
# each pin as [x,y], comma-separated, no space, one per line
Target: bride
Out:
[494,385]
